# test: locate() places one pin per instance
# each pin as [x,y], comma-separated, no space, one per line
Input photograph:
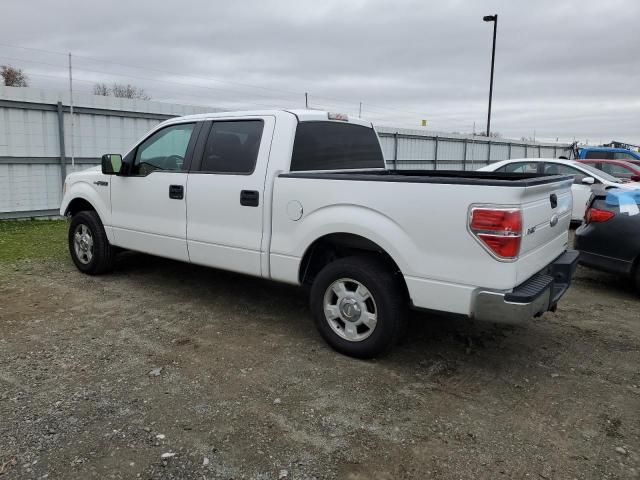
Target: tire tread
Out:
[103,253]
[390,299]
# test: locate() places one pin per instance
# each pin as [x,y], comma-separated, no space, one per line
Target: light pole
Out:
[494,19]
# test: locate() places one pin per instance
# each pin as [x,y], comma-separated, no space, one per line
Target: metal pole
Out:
[489,152]
[63,156]
[509,154]
[306,100]
[73,160]
[360,111]
[464,155]
[493,60]
[395,151]
[473,153]
[435,161]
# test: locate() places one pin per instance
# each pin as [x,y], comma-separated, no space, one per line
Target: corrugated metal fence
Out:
[420,150]
[36,144]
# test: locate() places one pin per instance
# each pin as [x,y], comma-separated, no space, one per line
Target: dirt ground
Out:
[226,377]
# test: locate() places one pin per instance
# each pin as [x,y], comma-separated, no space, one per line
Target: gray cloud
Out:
[565,68]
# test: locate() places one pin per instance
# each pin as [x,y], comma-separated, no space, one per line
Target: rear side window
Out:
[232,147]
[559,169]
[599,155]
[521,167]
[623,156]
[335,146]
[619,171]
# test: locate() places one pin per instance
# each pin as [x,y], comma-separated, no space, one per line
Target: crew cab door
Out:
[148,205]
[225,204]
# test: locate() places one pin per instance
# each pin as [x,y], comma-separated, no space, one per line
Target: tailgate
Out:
[546,215]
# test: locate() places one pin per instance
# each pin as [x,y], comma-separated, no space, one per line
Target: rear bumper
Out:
[538,294]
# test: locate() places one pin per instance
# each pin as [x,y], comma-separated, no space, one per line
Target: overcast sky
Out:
[564,68]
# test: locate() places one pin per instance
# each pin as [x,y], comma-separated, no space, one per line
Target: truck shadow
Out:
[277,305]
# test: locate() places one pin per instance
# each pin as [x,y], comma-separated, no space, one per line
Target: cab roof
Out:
[303,115]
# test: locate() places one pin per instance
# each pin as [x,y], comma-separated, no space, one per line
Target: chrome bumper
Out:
[532,298]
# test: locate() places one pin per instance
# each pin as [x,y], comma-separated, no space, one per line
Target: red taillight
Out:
[498,229]
[595,215]
[496,220]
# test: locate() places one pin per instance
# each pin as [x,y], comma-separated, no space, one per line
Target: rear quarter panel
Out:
[423,227]
[618,238]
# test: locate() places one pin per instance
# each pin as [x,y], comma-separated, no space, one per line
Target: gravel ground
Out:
[166,370]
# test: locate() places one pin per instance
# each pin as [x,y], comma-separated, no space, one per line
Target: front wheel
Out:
[88,244]
[359,306]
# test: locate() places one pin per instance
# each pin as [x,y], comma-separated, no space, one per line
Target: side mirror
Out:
[111,163]
[588,180]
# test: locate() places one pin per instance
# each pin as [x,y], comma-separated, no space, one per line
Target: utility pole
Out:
[360,111]
[73,160]
[306,100]
[494,19]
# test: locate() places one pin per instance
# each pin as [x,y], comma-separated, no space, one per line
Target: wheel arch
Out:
[82,196]
[78,204]
[334,246]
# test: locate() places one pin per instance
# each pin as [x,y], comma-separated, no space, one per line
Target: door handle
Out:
[249,198]
[176,192]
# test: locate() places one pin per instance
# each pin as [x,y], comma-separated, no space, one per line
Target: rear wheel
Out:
[88,244]
[359,306]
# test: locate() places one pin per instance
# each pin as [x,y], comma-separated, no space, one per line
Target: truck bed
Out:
[420,218]
[453,177]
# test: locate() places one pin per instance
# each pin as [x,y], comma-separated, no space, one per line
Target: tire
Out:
[636,277]
[92,253]
[343,310]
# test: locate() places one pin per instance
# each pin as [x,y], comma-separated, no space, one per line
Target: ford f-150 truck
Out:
[303,197]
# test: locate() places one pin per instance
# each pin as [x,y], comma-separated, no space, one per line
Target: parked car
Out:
[609,238]
[584,176]
[303,197]
[617,168]
[608,153]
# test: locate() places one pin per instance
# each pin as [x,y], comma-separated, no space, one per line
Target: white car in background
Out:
[584,177]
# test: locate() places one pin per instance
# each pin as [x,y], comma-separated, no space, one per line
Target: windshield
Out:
[600,173]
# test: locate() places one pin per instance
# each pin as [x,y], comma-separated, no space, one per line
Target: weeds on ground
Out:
[32,240]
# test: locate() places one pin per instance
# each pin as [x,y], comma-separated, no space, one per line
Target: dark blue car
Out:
[609,237]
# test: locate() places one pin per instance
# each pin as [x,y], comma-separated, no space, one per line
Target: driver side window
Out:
[165,150]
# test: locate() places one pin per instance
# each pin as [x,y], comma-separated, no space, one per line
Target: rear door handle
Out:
[249,198]
[176,192]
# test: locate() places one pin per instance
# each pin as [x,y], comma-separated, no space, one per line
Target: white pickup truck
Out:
[303,197]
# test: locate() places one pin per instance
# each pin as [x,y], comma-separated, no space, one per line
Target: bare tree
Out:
[121,91]
[129,91]
[14,77]
[101,89]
